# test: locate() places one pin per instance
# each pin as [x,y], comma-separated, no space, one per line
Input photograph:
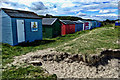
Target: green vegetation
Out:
[29,72]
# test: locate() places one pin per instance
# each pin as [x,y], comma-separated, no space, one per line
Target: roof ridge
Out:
[20,13]
[16,10]
[48,21]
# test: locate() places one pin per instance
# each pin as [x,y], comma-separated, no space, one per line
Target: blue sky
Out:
[87,9]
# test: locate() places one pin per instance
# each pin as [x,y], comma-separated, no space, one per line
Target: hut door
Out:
[20,31]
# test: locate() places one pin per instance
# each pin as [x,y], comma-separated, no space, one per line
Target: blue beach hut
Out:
[99,24]
[20,26]
[78,26]
[94,24]
[117,23]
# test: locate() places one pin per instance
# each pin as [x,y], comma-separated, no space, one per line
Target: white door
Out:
[20,31]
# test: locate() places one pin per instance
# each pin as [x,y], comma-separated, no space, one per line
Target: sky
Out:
[86,9]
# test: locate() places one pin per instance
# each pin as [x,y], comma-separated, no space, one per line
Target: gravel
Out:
[80,70]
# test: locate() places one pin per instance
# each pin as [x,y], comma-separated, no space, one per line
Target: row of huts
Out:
[23,26]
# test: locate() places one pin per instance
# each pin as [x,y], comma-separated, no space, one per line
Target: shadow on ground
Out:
[35,43]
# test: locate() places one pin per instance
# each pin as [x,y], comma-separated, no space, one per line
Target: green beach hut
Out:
[51,27]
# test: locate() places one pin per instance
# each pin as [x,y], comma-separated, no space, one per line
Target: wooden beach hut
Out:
[20,26]
[67,27]
[51,27]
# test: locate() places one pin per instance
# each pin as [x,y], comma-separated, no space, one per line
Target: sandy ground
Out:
[71,70]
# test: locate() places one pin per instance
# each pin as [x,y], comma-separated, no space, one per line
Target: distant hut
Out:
[68,27]
[98,24]
[78,26]
[51,27]
[94,24]
[117,23]
[87,25]
[20,26]
[90,24]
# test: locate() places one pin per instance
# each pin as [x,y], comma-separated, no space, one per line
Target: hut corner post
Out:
[0,44]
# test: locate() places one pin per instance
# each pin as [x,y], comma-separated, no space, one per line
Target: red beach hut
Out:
[67,27]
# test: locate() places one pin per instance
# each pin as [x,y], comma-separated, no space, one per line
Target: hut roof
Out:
[77,22]
[48,21]
[67,22]
[20,13]
[81,21]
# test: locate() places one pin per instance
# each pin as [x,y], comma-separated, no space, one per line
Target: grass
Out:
[29,72]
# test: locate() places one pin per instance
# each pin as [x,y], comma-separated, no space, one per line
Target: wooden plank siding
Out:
[29,34]
[54,30]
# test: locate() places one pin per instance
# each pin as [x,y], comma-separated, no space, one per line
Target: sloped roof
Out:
[20,13]
[67,22]
[48,21]
[77,22]
[81,21]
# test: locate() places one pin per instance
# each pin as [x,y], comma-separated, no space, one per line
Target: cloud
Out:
[101,17]
[15,4]
[38,6]
[69,4]
[108,16]
[81,14]
[80,8]
[93,10]
[108,11]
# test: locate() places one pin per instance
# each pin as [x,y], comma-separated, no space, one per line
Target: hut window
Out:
[34,26]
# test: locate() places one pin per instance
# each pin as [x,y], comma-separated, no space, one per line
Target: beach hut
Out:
[78,26]
[117,23]
[90,25]
[51,27]
[99,25]
[20,26]
[94,24]
[87,25]
[67,27]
